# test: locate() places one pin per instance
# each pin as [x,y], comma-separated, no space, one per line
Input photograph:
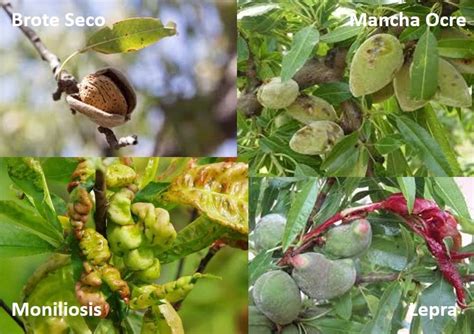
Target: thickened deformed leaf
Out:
[129,35]
[218,190]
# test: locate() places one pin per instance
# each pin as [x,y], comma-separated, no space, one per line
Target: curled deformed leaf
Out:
[219,190]
[129,35]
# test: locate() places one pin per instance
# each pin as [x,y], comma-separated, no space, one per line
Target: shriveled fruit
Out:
[348,240]
[401,84]
[276,295]
[307,109]
[258,322]
[276,94]
[452,88]
[316,138]
[374,64]
[321,278]
[269,231]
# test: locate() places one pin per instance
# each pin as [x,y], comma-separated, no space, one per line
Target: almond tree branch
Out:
[67,83]
[100,202]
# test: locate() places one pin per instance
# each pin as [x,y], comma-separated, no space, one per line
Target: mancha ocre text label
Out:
[401,20]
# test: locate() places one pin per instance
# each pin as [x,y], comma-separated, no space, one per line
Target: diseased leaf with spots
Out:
[219,190]
[129,35]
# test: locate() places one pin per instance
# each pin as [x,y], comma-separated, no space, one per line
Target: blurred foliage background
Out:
[185,83]
[213,306]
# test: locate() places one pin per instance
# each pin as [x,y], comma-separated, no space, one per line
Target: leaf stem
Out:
[8,310]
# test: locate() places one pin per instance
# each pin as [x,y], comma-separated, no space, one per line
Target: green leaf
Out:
[333,92]
[18,242]
[408,187]
[438,131]
[343,157]
[303,44]
[129,35]
[424,69]
[389,143]
[427,147]
[219,190]
[335,326]
[259,265]
[456,48]
[300,210]
[150,172]
[58,169]
[341,34]
[412,33]
[201,233]
[448,190]
[387,253]
[171,317]
[152,193]
[387,306]
[242,49]
[439,294]
[13,214]
[343,306]
[409,244]
[29,177]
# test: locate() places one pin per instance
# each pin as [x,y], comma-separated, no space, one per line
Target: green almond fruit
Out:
[401,85]
[348,240]
[276,94]
[316,138]
[268,231]
[290,329]
[374,64]
[277,296]
[307,109]
[321,278]
[452,88]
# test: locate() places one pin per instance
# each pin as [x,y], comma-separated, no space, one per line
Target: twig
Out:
[8,310]
[217,246]
[67,83]
[101,202]
[115,143]
[179,271]
[320,201]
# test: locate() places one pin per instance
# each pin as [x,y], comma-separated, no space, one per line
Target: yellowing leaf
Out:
[171,317]
[218,190]
[129,35]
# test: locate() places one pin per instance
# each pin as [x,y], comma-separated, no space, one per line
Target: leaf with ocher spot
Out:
[219,190]
[129,35]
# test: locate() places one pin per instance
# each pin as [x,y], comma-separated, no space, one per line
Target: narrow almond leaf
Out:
[341,34]
[408,187]
[303,44]
[129,35]
[428,148]
[300,210]
[424,68]
[150,172]
[388,304]
[343,157]
[438,131]
[448,190]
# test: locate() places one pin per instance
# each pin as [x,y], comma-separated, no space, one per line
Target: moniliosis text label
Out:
[58,309]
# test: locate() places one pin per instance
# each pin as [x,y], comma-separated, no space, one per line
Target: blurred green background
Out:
[185,83]
[213,306]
